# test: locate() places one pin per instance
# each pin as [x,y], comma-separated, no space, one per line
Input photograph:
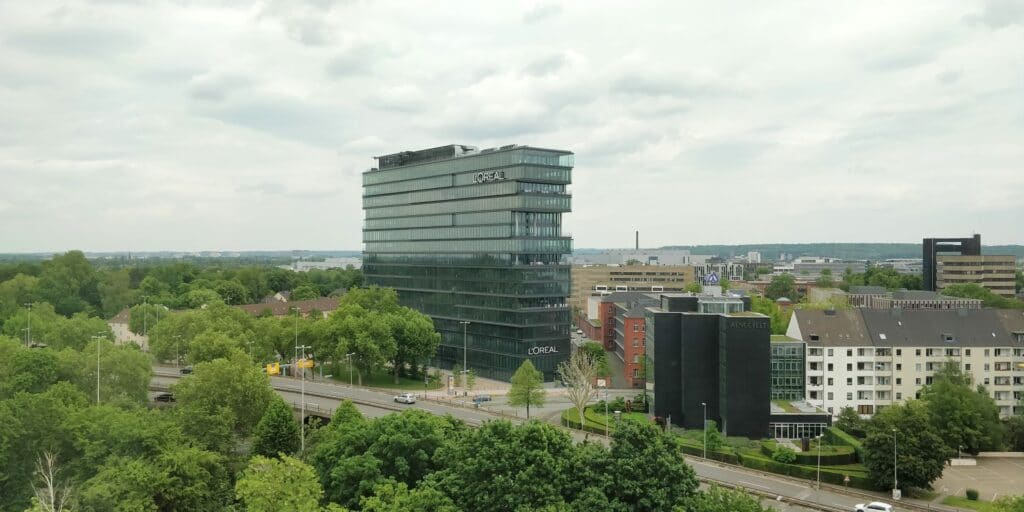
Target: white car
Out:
[874,506]
[406,398]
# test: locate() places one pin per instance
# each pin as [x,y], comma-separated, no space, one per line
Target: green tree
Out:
[232,383]
[693,287]
[964,417]
[713,436]
[782,285]
[1014,428]
[921,453]
[144,317]
[651,474]
[719,499]
[304,292]
[15,293]
[457,375]
[504,467]
[825,279]
[116,293]
[212,345]
[850,422]
[415,338]
[779,320]
[233,292]
[397,497]
[596,352]
[527,387]
[470,380]
[200,297]
[277,432]
[125,372]
[69,282]
[1009,504]
[269,485]
[988,298]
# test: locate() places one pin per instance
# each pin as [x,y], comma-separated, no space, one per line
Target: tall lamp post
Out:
[145,315]
[464,346]
[895,480]
[177,355]
[28,338]
[302,408]
[98,337]
[349,357]
[705,406]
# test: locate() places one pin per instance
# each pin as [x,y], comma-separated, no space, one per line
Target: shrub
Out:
[836,436]
[972,494]
[784,455]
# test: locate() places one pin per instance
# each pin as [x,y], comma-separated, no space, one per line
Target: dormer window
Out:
[814,337]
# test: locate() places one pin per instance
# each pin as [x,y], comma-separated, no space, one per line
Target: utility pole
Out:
[302,441]
[895,480]
[349,356]
[705,406]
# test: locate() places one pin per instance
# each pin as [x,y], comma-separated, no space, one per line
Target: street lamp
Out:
[705,406]
[349,357]
[302,439]
[98,337]
[895,480]
[177,355]
[28,338]
[464,324]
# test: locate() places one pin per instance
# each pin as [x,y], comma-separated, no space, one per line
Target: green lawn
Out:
[957,501]
[382,380]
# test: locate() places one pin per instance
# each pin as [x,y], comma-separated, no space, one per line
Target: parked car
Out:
[164,397]
[406,398]
[874,506]
[186,370]
[481,398]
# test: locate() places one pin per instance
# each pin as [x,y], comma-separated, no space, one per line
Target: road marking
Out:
[754,485]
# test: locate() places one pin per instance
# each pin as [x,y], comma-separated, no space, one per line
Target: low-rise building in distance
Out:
[602,279]
[995,273]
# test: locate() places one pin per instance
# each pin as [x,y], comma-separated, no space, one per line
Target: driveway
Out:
[992,477]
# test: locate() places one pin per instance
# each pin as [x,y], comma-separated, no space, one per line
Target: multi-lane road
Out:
[792,494]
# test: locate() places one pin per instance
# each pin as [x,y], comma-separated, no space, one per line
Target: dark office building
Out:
[474,239]
[932,247]
[721,359]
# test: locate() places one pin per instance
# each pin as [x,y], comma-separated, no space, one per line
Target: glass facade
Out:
[787,370]
[476,236]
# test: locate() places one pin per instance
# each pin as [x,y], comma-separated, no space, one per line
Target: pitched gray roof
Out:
[930,327]
[839,328]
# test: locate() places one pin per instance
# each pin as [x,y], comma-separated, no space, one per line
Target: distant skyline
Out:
[234,126]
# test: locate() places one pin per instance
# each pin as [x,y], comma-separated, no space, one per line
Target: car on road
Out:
[186,370]
[406,398]
[164,397]
[481,398]
[874,506]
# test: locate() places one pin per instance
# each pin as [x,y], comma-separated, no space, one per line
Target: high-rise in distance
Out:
[474,239]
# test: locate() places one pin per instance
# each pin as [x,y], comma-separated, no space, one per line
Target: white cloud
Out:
[232,125]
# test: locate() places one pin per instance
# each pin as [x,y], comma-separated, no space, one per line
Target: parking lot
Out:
[992,477]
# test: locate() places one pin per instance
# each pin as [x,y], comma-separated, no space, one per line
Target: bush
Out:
[784,455]
[835,436]
[972,494]
[754,460]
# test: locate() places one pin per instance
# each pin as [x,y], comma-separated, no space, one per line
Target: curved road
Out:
[322,398]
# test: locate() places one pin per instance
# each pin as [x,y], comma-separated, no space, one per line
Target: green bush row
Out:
[845,455]
[829,475]
[833,435]
[726,457]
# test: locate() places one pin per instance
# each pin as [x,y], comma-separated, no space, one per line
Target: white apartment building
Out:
[867,359]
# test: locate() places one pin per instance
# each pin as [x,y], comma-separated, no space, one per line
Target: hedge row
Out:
[574,424]
[837,437]
[728,458]
[846,456]
[828,475]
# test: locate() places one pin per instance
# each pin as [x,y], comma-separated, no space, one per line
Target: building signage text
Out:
[533,351]
[484,177]
[748,324]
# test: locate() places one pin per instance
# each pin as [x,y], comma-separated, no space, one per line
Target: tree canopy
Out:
[527,387]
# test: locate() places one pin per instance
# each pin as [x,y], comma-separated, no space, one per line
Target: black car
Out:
[482,398]
[164,397]
[186,370]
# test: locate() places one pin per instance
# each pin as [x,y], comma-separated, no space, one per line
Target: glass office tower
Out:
[474,239]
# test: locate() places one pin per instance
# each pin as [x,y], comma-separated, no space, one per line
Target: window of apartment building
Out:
[813,395]
[636,327]
[830,381]
[917,381]
[928,381]
[861,352]
[899,366]
[986,381]
[917,352]
[899,381]
[830,367]
[899,396]
[883,352]
[814,365]
[986,352]
[815,352]
[952,352]
[830,395]
[1000,352]
[636,359]
[899,352]
[849,367]
[1003,366]
[814,337]
[636,373]
[830,352]
[865,409]
[849,381]
[967,352]
[988,367]
[849,352]
[849,396]
[967,367]
[1002,381]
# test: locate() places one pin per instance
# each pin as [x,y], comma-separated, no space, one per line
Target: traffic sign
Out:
[305,363]
[273,368]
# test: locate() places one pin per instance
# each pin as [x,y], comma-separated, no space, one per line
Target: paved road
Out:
[378,403]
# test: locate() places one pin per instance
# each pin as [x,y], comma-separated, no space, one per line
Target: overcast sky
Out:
[190,125]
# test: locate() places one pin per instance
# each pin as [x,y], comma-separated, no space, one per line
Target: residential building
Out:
[868,359]
[995,273]
[473,238]
[932,247]
[788,360]
[589,279]
[322,307]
